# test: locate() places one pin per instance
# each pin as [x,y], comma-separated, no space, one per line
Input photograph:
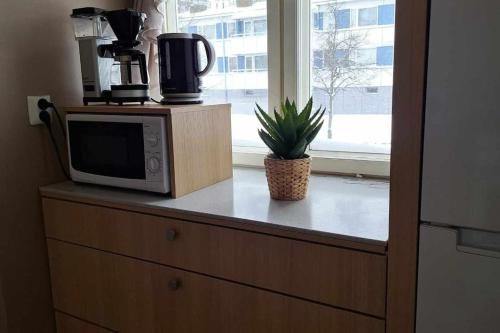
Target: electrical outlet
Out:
[34,111]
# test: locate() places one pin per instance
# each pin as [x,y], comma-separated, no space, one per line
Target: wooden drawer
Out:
[130,295]
[68,324]
[344,278]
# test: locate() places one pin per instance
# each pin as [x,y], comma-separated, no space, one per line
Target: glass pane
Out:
[238,32]
[209,31]
[386,14]
[351,73]
[343,19]
[248,27]
[233,65]
[367,16]
[318,21]
[261,62]
[385,55]
[260,26]
[248,63]
[366,57]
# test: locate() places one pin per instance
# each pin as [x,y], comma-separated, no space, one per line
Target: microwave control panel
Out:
[155,152]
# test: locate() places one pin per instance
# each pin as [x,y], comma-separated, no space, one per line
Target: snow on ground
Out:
[351,132]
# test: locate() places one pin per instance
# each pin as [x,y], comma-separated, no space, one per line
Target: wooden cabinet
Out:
[130,295]
[69,324]
[126,271]
[340,277]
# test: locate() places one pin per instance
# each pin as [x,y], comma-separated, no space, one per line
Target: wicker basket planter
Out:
[287,179]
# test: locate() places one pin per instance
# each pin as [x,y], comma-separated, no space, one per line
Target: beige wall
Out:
[38,55]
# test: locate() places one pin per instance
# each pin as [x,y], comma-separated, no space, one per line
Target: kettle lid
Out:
[176,35]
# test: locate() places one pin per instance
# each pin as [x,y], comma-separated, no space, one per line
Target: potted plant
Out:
[288,135]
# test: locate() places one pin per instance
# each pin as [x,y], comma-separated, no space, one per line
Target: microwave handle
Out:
[209,49]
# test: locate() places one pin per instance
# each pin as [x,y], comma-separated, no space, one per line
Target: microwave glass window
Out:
[112,150]
[107,149]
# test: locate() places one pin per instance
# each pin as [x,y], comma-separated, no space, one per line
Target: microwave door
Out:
[108,149]
[111,150]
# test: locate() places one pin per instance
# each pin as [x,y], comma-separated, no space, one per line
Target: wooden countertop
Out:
[342,211]
[148,108]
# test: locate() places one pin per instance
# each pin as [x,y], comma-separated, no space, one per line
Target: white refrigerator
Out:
[459,249]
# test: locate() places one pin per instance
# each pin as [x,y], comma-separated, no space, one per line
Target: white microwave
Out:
[119,150]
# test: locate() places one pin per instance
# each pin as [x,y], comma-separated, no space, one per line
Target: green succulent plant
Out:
[290,132]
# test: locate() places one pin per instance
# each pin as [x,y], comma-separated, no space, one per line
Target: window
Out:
[209,31]
[345,67]
[261,62]
[233,66]
[221,31]
[241,63]
[351,75]
[248,63]
[239,27]
[248,27]
[367,16]
[366,57]
[222,65]
[341,58]
[386,14]
[239,37]
[342,19]
[231,29]
[385,55]
[318,21]
[260,27]
[318,59]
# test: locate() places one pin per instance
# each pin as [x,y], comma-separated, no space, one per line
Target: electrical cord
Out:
[44,116]
[43,104]
[154,100]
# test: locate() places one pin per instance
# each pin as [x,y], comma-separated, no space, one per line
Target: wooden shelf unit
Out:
[199,141]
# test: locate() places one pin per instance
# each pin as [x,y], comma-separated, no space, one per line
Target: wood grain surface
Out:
[69,324]
[410,56]
[341,277]
[130,295]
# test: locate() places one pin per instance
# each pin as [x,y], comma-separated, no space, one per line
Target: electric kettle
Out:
[179,65]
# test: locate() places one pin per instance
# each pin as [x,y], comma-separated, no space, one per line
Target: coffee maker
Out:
[92,30]
[126,24]
[108,39]
[179,64]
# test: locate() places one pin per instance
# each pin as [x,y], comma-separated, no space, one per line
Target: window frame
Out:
[289,69]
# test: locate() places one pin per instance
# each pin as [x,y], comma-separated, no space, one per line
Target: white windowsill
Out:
[357,164]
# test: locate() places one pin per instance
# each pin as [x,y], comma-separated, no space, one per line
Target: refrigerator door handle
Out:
[479,242]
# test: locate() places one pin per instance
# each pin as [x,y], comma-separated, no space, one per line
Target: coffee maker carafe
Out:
[179,66]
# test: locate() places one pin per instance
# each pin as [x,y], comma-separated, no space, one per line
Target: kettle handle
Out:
[209,49]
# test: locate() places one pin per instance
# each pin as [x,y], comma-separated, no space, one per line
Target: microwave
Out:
[127,151]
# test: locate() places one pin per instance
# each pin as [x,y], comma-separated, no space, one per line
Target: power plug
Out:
[34,110]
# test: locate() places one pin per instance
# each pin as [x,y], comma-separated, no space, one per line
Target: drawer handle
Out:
[174,284]
[171,234]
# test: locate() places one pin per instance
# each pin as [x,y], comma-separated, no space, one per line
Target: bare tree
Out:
[338,69]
